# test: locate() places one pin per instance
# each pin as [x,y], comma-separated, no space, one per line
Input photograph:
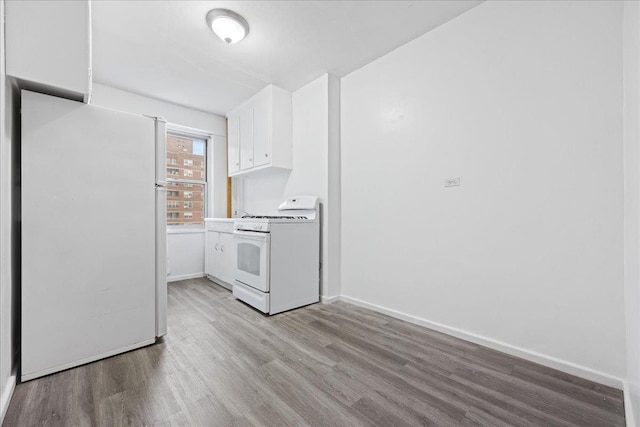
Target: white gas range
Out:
[277,257]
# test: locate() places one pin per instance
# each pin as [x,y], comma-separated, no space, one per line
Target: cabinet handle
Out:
[222,248]
[237,163]
[216,248]
[266,155]
[251,160]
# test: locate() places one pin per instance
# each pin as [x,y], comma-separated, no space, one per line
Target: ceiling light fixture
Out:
[227,25]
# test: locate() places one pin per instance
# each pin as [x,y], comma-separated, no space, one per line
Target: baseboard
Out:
[542,359]
[7,392]
[628,406]
[329,300]
[220,283]
[185,277]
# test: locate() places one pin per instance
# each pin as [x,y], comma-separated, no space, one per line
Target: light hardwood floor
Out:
[223,363]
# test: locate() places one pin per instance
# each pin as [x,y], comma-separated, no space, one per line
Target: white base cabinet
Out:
[218,258]
[260,133]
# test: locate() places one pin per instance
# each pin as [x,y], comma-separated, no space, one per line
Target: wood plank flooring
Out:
[225,364]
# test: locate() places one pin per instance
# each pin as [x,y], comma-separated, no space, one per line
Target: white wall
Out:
[8,294]
[315,139]
[332,229]
[218,177]
[118,99]
[186,246]
[522,101]
[632,206]
[50,46]
[186,254]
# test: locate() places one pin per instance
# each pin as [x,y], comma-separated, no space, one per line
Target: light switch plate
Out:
[452,182]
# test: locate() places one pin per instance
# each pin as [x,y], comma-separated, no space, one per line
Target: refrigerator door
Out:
[88,233]
[161,227]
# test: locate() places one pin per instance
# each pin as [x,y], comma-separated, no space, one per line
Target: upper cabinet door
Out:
[233,149]
[262,130]
[246,139]
[265,128]
[48,43]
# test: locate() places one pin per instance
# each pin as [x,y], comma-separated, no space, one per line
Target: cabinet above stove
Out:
[259,133]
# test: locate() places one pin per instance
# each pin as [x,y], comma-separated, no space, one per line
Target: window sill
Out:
[185,229]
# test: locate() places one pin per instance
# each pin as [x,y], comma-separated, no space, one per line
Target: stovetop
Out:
[273,217]
[294,210]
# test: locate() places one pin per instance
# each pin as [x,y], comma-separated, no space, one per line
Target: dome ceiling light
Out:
[228,25]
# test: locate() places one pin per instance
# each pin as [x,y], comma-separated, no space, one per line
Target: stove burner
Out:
[272,217]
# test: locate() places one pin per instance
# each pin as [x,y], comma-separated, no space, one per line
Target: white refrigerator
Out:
[93,233]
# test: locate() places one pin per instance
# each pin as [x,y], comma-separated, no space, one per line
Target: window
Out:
[186,176]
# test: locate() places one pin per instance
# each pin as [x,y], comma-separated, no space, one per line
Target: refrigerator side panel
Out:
[88,233]
[161,228]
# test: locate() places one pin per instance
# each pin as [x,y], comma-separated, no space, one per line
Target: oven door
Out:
[251,266]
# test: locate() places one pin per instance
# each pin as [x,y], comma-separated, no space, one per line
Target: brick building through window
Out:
[186,176]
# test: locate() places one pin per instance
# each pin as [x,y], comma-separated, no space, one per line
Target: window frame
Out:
[185,132]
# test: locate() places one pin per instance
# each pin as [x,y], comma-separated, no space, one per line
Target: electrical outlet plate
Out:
[452,182]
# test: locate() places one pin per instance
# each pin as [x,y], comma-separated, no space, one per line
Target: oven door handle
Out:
[253,235]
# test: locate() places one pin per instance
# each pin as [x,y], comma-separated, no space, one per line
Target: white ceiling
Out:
[165,50]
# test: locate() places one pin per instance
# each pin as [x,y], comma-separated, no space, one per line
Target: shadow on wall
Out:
[16,223]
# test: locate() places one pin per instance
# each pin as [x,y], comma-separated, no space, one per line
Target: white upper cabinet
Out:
[261,129]
[263,139]
[48,46]
[233,141]
[246,139]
